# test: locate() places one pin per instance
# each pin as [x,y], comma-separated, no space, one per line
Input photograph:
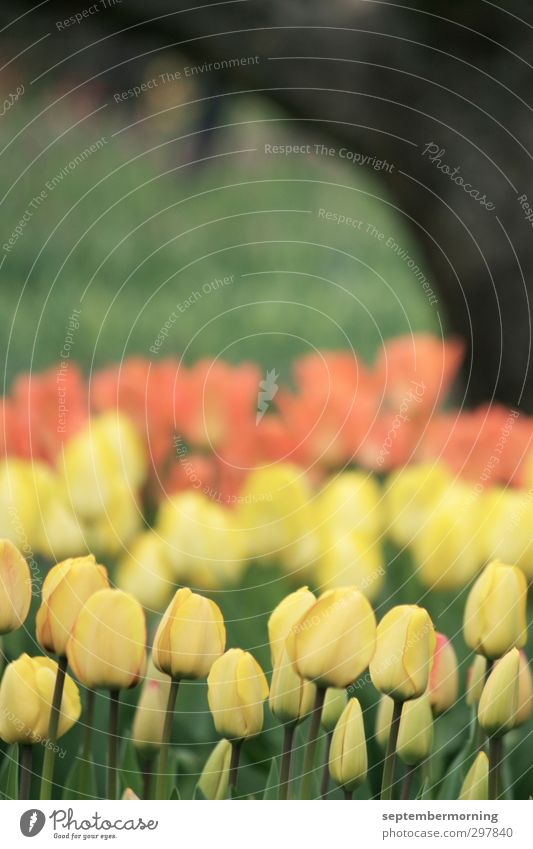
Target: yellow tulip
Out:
[383,720]
[333,642]
[404,652]
[335,701]
[351,558]
[291,698]
[145,572]
[475,679]
[204,544]
[348,762]
[525,691]
[449,548]
[498,705]
[507,532]
[149,719]
[214,779]
[236,690]
[351,501]
[108,452]
[118,523]
[284,617]
[415,735]
[495,611]
[26,694]
[190,636]
[15,587]
[129,795]
[107,646]
[63,533]
[277,515]
[443,678]
[66,588]
[475,787]
[409,498]
[19,507]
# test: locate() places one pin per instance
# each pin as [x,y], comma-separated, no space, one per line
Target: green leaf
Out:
[424,792]
[9,775]
[455,775]
[175,794]
[81,780]
[272,784]
[130,772]
[198,793]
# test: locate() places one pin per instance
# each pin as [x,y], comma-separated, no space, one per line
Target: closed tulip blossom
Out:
[475,679]
[214,780]
[334,703]
[525,691]
[26,695]
[15,587]
[190,636]
[66,588]
[284,617]
[400,668]
[149,718]
[443,678]
[348,760]
[291,698]
[475,787]
[495,611]
[236,690]
[415,735]
[333,642]
[405,646]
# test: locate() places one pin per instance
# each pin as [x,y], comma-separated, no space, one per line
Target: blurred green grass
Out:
[134,230]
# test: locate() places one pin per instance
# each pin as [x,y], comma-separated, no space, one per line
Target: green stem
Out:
[286,757]
[324,785]
[481,736]
[309,757]
[25,767]
[236,747]
[147,769]
[390,757]
[88,727]
[495,760]
[407,782]
[348,794]
[112,772]
[162,768]
[47,778]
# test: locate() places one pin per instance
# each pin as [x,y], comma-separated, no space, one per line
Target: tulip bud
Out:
[129,795]
[291,698]
[495,612]
[475,787]
[334,640]
[525,691]
[443,678]
[236,690]
[415,735]
[214,779]
[334,703]
[348,761]
[66,588]
[498,705]
[475,679]
[190,636]
[383,720]
[15,587]
[145,572]
[107,646]
[404,652]
[284,617]
[149,719]
[26,695]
